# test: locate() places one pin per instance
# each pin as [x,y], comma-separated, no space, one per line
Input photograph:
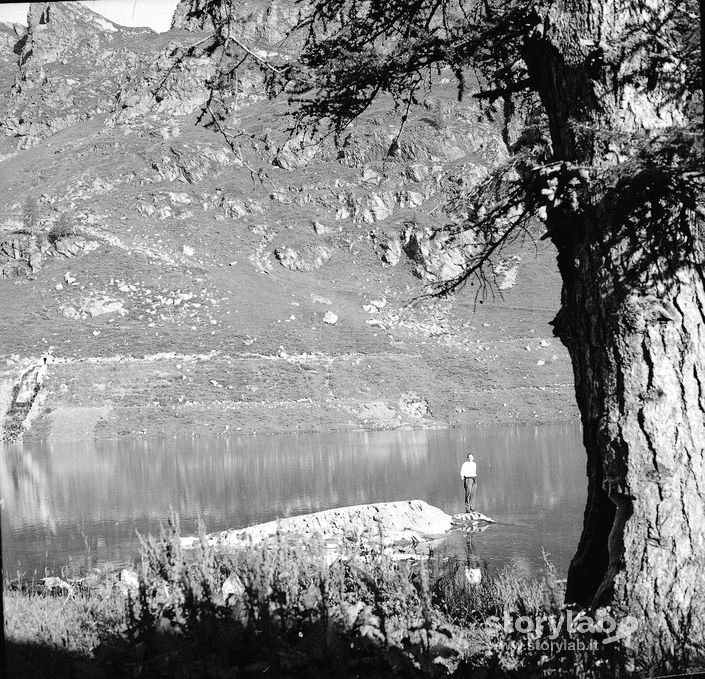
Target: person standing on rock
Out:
[468,472]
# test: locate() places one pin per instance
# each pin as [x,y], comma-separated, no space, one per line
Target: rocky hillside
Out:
[185,277]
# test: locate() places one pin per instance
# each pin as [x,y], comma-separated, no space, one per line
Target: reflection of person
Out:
[468,472]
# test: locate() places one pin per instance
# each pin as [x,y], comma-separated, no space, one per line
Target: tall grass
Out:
[290,607]
[293,613]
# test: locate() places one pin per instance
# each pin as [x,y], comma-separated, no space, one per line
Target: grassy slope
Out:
[229,349]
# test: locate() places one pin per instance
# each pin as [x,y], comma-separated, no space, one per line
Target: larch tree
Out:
[618,187]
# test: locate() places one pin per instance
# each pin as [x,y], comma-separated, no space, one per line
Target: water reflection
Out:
[84,500]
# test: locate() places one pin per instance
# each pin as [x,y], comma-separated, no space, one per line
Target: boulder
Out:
[55,585]
[296,152]
[469,519]
[14,270]
[390,250]
[473,576]
[414,406]
[70,312]
[377,207]
[310,258]
[73,246]
[321,229]
[98,306]
[438,256]
[129,579]
[369,176]
[417,172]
[233,587]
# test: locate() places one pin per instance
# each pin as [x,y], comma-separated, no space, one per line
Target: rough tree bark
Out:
[633,319]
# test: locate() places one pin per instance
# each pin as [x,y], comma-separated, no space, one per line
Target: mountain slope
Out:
[179,284]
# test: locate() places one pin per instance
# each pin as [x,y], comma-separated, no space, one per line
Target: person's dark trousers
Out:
[470,483]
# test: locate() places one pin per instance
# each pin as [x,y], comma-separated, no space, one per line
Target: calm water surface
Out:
[83,502]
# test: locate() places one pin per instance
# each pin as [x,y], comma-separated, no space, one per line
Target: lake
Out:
[82,502]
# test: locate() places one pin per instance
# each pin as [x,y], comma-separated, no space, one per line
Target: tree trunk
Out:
[633,319]
[634,325]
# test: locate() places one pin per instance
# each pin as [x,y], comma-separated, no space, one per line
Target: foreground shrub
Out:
[289,608]
[290,612]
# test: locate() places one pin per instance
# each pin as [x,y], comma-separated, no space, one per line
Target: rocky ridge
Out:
[191,292]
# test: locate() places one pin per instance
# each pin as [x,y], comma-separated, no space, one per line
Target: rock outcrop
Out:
[23,253]
[309,259]
[56,29]
[438,256]
[46,96]
[73,246]
[394,521]
[296,152]
[268,22]
[388,247]
[18,394]
[414,405]
[173,84]
[19,255]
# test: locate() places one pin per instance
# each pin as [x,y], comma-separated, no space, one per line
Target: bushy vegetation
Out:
[287,609]
[63,228]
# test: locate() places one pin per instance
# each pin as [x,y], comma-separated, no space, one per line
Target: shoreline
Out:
[32,437]
[113,399]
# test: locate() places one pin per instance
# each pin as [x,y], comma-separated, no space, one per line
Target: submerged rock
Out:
[469,519]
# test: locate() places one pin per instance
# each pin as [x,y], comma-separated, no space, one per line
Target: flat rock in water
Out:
[468,518]
[394,521]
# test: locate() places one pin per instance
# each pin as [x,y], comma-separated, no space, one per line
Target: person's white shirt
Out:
[469,469]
